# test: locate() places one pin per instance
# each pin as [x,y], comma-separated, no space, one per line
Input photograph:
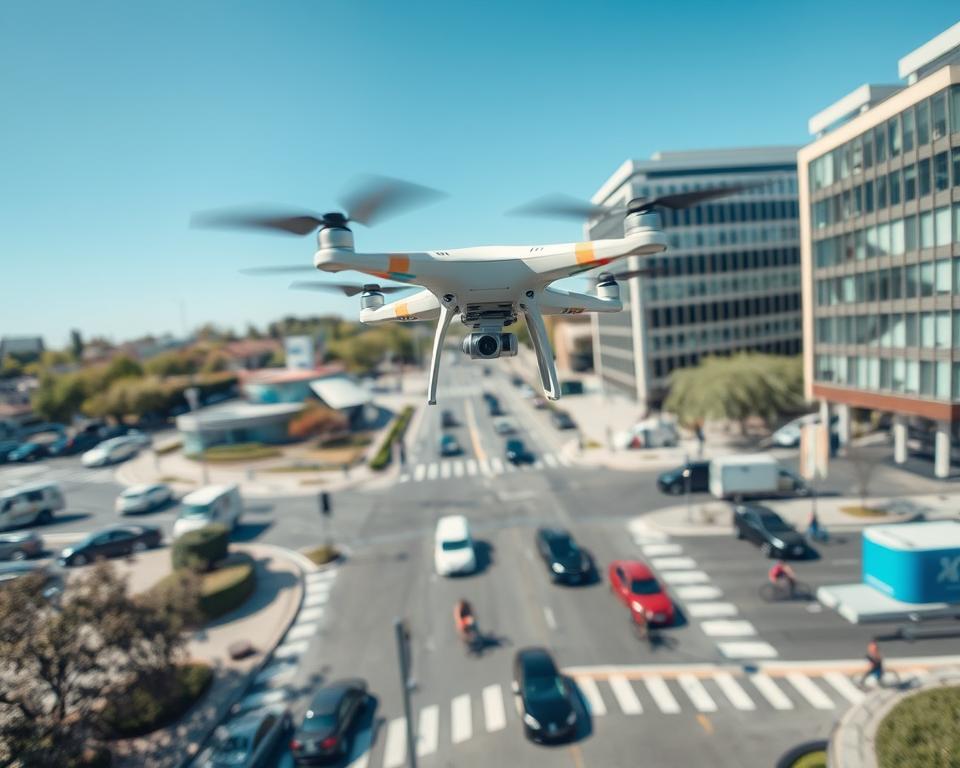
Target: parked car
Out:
[116,541]
[765,528]
[21,545]
[634,585]
[69,445]
[675,481]
[493,406]
[6,448]
[447,420]
[27,452]
[652,432]
[111,451]
[248,741]
[544,697]
[327,728]
[517,453]
[563,557]
[450,446]
[52,577]
[453,551]
[504,425]
[30,505]
[143,498]
[213,504]
[562,420]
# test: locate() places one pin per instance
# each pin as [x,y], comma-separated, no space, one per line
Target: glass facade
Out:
[885,219]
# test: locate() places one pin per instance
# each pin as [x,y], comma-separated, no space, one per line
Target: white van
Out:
[453,546]
[213,504]
[30,504]
[652,432]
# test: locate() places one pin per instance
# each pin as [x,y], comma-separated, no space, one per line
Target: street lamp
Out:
[193,400]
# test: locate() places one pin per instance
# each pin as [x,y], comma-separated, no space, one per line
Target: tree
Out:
[215,362]
[121,367]
[10,367]
[58,398]
[76,345]
[316,420]
[172,363]
[60,664]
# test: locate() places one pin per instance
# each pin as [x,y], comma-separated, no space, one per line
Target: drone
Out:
[487,287]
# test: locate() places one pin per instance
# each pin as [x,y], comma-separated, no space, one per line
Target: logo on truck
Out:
[949,569]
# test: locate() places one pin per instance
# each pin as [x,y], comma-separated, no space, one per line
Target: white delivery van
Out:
[745,475]
[29,504]
[213,504]
[652,432]
[453,547]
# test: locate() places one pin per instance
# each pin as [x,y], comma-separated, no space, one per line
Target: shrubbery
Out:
[383,456]
[228,587]
[154,703]
[200,549]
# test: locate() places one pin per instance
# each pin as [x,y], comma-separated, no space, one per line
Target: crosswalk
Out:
[446,469]
[33,473]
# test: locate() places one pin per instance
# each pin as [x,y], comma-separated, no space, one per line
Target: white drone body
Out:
[489,287]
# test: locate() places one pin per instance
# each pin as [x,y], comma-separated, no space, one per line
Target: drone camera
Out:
[486,346]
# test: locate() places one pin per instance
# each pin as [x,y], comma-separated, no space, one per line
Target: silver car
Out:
[20,545]
[247,741]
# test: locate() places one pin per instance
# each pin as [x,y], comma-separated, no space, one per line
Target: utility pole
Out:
[193,398]
[403,655]
[326,512]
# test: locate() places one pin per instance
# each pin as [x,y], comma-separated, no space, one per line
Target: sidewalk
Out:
[262,620]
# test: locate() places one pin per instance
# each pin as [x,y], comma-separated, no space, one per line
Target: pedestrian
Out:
[814,530]
[700,439]
[875,662]
[346,469]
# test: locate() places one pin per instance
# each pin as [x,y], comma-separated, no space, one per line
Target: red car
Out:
[636,587]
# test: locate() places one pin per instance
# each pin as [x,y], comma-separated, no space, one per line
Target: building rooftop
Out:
[942,50]
[855,102]
[288,375]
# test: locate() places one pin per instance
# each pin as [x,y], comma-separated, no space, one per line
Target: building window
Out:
[911,337]
[955,157]
[908,130]
[910,182]
[955,386]
[897,237]
[942,225]
[899,330]
[944,283]
[927,330]
[927,279]
[941,172]
[923,176]
[938,112]
[893,135]
[910,237]
[913,377]
[896,283]
[926,378]
[912,272]
[923,123]
[886,374]
[882,185]
[926,230]
[893,182]
[954,108]
[943,330]
[899,375]
[868,190]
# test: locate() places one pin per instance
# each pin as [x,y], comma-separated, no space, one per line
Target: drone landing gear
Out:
[448,307]
[541,345]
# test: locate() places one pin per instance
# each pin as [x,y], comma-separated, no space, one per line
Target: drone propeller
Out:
[372,200]
[284,269]
[347,289]
[565,207]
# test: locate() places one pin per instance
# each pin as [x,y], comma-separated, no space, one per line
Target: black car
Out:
[28,452]
[69,446]
[562,420]
[545,698]
[328,725]
[517,453]
[562,556]
[674,481]
[494,407]
[115,541]
[447,419]
[765,528]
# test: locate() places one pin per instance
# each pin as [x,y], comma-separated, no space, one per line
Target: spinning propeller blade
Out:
[347,289]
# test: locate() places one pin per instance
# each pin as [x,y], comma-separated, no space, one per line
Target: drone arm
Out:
[448,308]
[422,305]
[541,345]
[556,301]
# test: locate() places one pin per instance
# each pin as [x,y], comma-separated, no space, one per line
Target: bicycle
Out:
[472,641]
[776,592]
[889,678]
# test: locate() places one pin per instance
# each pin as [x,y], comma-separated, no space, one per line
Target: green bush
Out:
[383,456]
[170,447]
[227,588]
[156,703]
[922,731]
[323,554]
[202,548]
[237,452]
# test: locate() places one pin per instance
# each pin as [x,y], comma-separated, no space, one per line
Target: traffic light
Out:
[326,509]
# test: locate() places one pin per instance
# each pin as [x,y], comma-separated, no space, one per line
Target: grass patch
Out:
[157,703]
[237,452]
[398,428]
[170,447]
[591,444]
[175,479]
[816,759]
[922,731]
[323,554]
[357,440]
[313,467]
[858,510]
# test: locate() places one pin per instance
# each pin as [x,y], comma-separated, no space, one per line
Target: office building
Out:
[880,252]
[729,281]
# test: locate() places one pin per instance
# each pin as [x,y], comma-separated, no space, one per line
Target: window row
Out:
[901,330]
[712,263]
[707,237]
[731,213]
[931,229]
[926,121]
[931,278]
[714,335]
[900,186]
[663,317]
[747,282]
[936,379]
[663,367]
[784,185]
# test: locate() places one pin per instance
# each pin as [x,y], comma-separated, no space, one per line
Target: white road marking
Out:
[550,460]
[471,467]
[732,690]
[588,687]
[842,685]
[445,469]
[699,592]
[395,746]
[673,563]
[404,477]
[458,468]
[432,471]
[287,650]
[428,730]
[756,649]
[276,672]
[496,466]
[711,610]
[808,689]
[698,694]
[685,577]
[660,693]
[461,719]
[493,714]
[728,628]
[656,550]
[315,599]
[302,631]
[549,617]
[485,467]
[419,471]
[309,614]
[625,695]
[777,698]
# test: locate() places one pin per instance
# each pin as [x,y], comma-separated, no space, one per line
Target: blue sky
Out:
[120,119]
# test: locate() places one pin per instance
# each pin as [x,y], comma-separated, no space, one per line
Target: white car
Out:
[141,439]
[504,425]
[110,452]
[143,498]
[453,551]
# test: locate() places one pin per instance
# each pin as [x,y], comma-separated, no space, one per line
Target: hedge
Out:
[202,548]
[237,452]
[382,458]
[150,706]
[227,588]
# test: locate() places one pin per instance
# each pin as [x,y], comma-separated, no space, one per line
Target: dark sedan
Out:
[6,448]
[328,726]
[448,420]
[562,555]
[562,420]
[116,541]
[544,697]
[71,445]
[28,452]
[765,528]
[517,453]
[675,481]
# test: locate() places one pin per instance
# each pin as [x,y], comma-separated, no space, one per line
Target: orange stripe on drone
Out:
[399,264]
[401,309]
[584,253]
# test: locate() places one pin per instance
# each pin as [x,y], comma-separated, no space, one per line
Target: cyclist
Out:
[640,625]
[782,576]
[464,619]
[875,662]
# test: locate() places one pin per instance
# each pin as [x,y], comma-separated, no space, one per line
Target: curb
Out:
[788,758]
